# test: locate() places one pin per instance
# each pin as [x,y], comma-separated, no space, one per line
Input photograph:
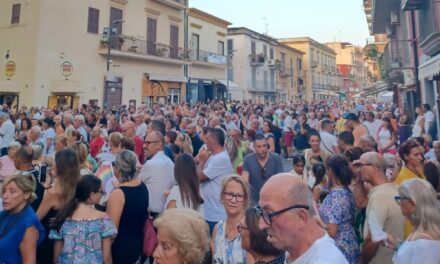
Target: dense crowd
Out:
[208,183]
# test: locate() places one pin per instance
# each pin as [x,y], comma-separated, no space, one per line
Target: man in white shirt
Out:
[372,124]
[288,134]
[141,127]
[287,213]
[429,117]
[211,170]
[7,133]
[78,125]
[157,173]
[329,142]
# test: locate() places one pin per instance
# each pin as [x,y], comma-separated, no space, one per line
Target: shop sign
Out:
[66,68]
[10,69]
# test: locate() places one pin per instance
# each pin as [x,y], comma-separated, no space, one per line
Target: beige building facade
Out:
[58,52]
[289,77]
[207,46]
[319,68]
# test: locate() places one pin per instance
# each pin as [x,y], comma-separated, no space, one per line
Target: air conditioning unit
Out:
[271,62]
[394,18]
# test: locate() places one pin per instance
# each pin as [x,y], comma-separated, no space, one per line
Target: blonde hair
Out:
[242,182]
[25,181]
[186,144]
[188,230]
[426,217]
[115,139]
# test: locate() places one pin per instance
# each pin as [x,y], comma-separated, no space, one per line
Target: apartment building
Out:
[207,74]
[351,67]
[289,74]
[319,68]
[56,53]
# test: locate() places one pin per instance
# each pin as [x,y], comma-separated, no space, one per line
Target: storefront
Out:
[11,99]
[63,101]
[162,89]
[204,90]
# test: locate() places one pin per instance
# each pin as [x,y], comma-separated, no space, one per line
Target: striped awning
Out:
[430,68]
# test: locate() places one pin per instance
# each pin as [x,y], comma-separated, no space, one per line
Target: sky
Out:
[322,20]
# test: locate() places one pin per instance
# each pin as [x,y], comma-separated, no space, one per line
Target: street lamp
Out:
[111,32]
[229,66]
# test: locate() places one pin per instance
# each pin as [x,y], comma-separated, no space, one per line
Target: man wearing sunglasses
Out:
[286,211]
[382,214]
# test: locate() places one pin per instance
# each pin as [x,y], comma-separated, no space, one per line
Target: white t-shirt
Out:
[373,127]
[418,251]
[7,133]
[328,141]
[175,196]
[217,168]
[288,123]
[429,117]
[322,251]
[141,130]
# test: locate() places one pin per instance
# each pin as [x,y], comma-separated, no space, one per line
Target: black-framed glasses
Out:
[399,199]
[239,197]
[150,142]
[240,228]
[267,217]
[360,165]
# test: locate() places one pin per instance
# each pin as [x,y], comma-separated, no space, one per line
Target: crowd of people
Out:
[80,185]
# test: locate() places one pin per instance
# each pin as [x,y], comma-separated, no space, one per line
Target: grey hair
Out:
[69,116]
[377,160]
[300,194]
[37,151]
[427,213]
[369,140]
[80,118]
[36,130]
[126,162]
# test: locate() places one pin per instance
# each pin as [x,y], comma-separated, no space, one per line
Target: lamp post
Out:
[229,66]
[110,32]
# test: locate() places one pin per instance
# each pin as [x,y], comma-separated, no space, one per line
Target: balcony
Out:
[285,74]
[393,59]
[206,58]
[314,64]
[128,47]
[381,14]
[177,4]
[260,86]
[257,60]
[316,87]
[408,5]
[431,44]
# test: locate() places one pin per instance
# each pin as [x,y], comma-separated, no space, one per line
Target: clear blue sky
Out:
[322,20]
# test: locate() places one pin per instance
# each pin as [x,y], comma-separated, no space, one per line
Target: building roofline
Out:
[307,39]
[197,13]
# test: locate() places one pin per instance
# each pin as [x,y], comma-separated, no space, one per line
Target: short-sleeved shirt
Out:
[301,141]
[218,167]
[259,175]
[7,133]
[384,209]
[175,195]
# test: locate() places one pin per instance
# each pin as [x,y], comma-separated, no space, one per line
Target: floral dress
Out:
[83,239]
[338,208]
[227,251]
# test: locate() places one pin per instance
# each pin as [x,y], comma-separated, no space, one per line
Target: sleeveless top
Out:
[227,251]
[127,247]
[12,231]
[45,249]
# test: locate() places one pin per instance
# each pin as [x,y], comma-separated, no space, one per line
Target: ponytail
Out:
[341,169]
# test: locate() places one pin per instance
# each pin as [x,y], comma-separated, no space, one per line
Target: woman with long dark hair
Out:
[82,233]
[67,174]
[337,210]
[386,137]
[186,194]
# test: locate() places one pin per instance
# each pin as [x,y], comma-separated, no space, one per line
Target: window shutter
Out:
[174,41]
[93,21]
[15,19]
[151,36]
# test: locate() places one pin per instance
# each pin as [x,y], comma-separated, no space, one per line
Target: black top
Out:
[45,249]
[196,144]
[127,247]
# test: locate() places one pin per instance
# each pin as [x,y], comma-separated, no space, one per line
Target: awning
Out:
[166,78]
[231,84]
[387,94]
[430,68]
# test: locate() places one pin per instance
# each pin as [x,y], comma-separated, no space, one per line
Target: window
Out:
[195,46]
[230,46]
[151,36]
[116,15]
[93,21]
[271,53]
[174,41]
[299,65]
[253,48]
[265,51]
[15,19]
[221,48]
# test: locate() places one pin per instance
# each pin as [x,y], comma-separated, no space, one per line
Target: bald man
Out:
[286,211]
[129,131]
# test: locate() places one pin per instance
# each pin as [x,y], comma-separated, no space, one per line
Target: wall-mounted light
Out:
[7,55]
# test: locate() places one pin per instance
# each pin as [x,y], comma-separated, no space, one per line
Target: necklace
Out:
[228,230]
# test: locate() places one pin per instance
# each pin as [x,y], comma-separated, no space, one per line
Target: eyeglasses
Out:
[360,165]
[267,217]
[150,142]
[399,199]
[101,192]
[239,197]
[240,228]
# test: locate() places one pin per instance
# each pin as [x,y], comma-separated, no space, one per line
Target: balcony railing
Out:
[257,59]
[393,58]
[142,47]
[318,87]
[209,57]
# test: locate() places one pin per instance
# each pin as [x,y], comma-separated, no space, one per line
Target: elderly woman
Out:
[127,207]
[7,166]
[20,229]
[183,241]
[418,203]
[226,241]
[254,240]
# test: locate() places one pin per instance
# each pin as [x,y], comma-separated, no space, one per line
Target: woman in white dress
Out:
[386,137]
[418,202]
[419,124]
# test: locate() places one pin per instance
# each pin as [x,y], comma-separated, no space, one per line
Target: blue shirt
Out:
[11,240]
